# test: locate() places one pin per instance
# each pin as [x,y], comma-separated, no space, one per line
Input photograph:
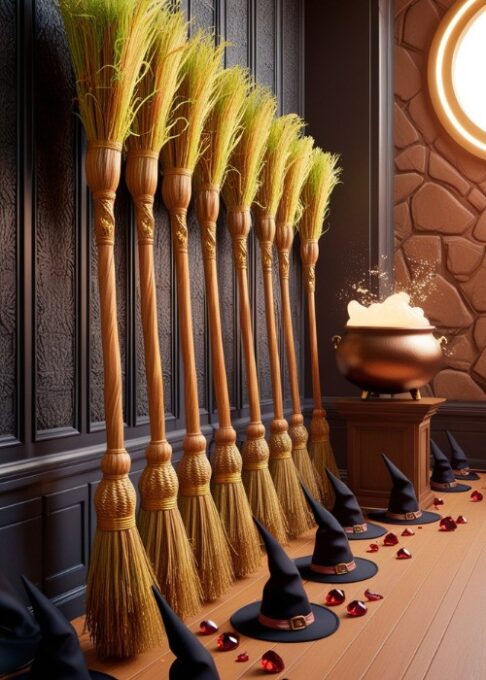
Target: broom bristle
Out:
[241,183]
[264,502]
[164,537]
[322,456]
[222,127]
[289,492]
[302,461]
[120,614]
[156,89]
[299,165]
[323,176]
[209,543]
[194,100]
[108,42]
[283,132]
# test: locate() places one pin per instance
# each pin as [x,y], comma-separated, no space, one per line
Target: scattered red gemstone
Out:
[207,627]
[461,520]
[408,532]
[241,658]
[390,539]
[371,596]
[356,608]
[419,527]
[403,554]
[476,496]
[335,597]
[373,547]
[438,501]
[228,641]
[447,524]
[271,662]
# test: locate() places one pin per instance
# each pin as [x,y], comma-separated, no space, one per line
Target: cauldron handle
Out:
[336,339]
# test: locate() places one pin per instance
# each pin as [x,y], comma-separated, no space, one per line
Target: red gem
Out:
[228,641]
[403,554]
[408,532]
[356,608]
[438,501]
[390,539]
[207,627]
[241,658]
[447,524]
[476,496]
[335,597]
[371,596]
[373,547]
[271,662]
[461,520]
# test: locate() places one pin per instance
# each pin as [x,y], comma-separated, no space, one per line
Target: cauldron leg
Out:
[365,394]
[416,394]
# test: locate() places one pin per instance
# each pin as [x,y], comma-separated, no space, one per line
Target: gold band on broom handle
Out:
[298,168]
[239,191]
[107,48]
[321,180]
[160,523]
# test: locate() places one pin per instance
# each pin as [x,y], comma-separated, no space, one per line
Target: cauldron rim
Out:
[387,330]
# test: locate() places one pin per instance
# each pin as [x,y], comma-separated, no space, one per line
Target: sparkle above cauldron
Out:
[388,347]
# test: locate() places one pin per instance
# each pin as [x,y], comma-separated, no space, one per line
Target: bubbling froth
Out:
[394,312]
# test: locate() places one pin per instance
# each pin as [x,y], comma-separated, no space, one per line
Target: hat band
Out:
[463,471]
[404,515]
[356,528]
[442,485]
[295,623]
[341,568]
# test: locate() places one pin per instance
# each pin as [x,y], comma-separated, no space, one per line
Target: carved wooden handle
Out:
[284,262]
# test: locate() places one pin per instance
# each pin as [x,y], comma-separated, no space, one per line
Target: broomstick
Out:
[160,522]
[108,42]
[283,132]
[239,191]
[298,169]
[219,138]
[321,180]
[179,156]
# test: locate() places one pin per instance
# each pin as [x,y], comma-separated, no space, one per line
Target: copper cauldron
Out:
[389,360]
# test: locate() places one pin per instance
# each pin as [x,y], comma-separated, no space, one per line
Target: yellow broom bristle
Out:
[222,127]
[194,100]
[323,176]
[289,491]
[283,132]
[322,456]
[108,42]
[299,165]
[241,183]
[156,89]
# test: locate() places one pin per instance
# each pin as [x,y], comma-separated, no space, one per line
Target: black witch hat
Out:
[443,478]
[58,655]
[459,461]
[19,633]
[332,560]
[284,614]
[193,659]
[403,507]
[348,513]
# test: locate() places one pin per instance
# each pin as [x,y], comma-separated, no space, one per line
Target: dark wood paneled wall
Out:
[51,402]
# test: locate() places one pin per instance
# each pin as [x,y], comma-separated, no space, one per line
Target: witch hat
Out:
[58,655]
[332,560]
[348,513]
[459,461]
[443,478]
[19,632]
[284,614]
[193,659]
[403,507]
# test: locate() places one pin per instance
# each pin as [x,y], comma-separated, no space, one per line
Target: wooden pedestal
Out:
[400,428]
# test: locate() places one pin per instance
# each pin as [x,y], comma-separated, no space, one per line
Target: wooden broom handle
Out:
[310,252]
[239,223]
[207,210]
[266,236]
[141,176]
[284,241]
[176,191]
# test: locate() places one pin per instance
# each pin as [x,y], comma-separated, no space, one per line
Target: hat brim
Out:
[95,675]
[426,518]
[373,531]
[470,477]
[459,488]
[365,569]
[246,622]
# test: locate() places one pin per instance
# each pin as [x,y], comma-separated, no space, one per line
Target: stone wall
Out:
[440,211]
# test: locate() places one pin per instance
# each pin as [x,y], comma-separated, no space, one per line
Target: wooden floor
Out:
[431,623]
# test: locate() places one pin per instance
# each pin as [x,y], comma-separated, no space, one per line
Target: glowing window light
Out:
[469,69]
